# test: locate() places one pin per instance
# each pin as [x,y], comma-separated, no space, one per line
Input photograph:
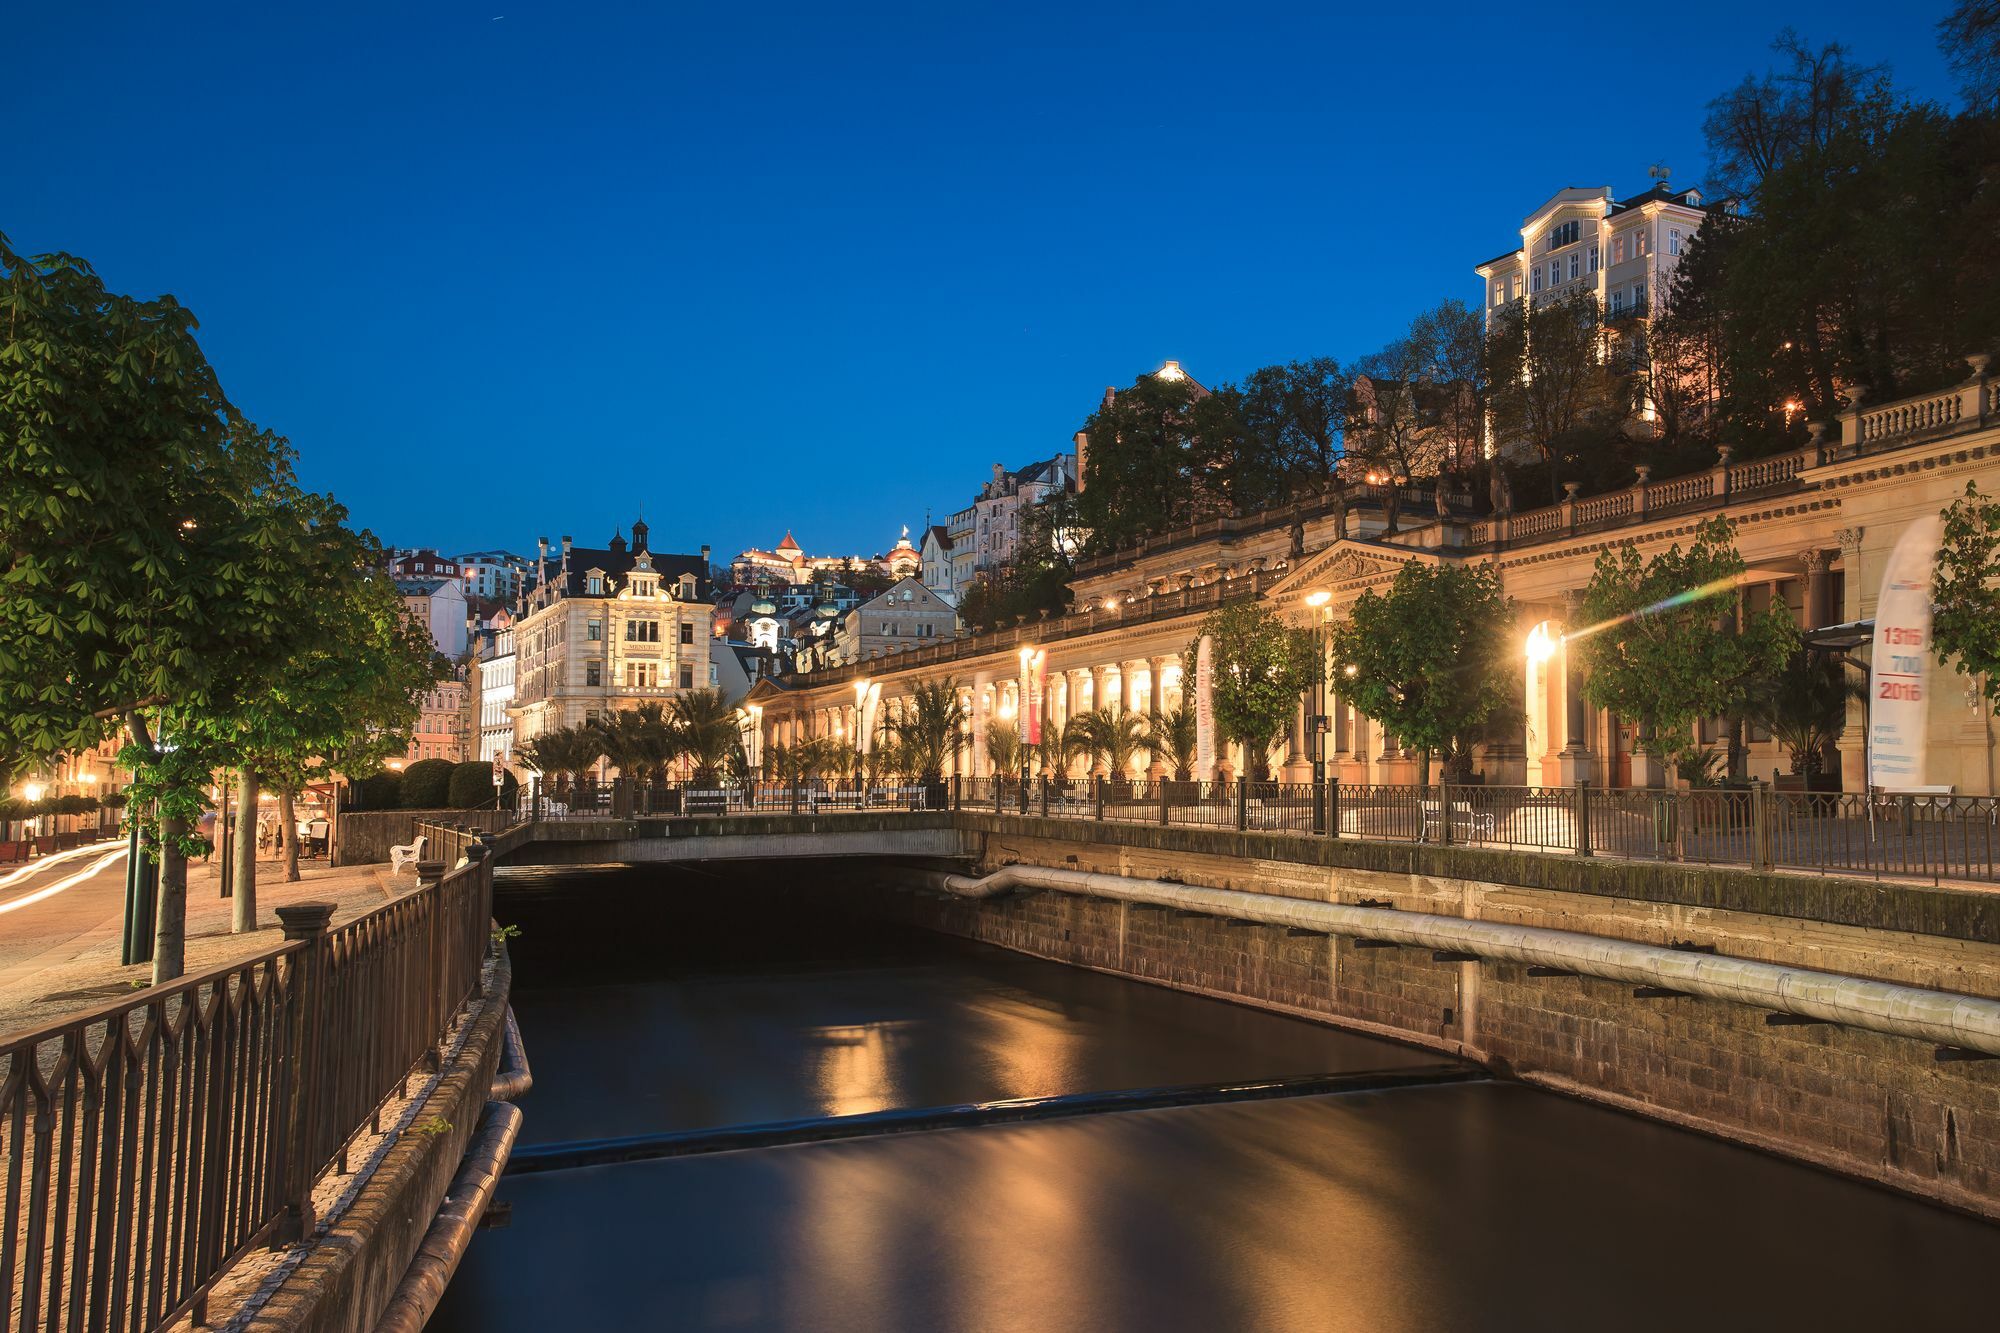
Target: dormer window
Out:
[593,583]
[687,587]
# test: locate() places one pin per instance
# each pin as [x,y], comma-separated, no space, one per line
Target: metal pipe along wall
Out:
[1942,1017]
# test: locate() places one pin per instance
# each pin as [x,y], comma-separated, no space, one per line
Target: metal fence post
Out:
[1319,806]
[958,791]
[1760,825]
[304,1084]
[1163,802]
[1582,816]
[535,798]
[1098,797]
[1242,803]
[1045,797]
[1444,813]
[1333,807]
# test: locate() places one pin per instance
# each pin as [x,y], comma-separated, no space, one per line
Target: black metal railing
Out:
[1904,836]
[148,1143]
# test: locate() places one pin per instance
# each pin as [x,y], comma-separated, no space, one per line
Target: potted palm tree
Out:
[1170,740]
[1003,747]
[705,733]
[930,731]
[1113,739]
[1805,710]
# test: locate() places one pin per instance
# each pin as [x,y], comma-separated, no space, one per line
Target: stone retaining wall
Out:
[345,1281]
[367,835]
[1879,1107]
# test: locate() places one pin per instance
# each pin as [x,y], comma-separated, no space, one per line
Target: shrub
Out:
[384,791]
[426,784]
[472,786]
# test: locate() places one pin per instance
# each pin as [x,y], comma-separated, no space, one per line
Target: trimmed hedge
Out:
[427,784]
[384,791]
[472,786]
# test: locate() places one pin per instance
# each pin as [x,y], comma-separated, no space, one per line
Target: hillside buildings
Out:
[437,602]
[907,615]
[495,575]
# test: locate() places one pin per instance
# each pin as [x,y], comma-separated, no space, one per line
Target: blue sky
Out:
[758,268]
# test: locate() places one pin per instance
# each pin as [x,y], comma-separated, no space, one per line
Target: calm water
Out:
[1478,1206]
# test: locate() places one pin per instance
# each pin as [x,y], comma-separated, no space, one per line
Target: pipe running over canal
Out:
[1947,1019]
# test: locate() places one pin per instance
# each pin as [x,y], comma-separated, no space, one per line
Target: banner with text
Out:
[1899,666]
[1037,695]
[1204,710]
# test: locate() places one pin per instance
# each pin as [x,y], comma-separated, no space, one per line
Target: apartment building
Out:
[603,629]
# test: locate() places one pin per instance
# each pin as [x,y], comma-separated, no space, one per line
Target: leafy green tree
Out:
[1262,669]
[148,530]
[1554,386]
[1140,465]
[336,687]
[931,727]
[1663,642]
[1965,590]
[1428,659]
[1864,256]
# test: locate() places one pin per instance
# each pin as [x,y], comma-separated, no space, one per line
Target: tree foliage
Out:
[1429,658]
[1965,620]
[931,727]
[1262,669]
[1663,641]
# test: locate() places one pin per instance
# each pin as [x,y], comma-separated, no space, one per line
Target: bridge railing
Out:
[1922,836]
[148,1143]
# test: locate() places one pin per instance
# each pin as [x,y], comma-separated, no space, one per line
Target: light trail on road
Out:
[67,882]
[41,863]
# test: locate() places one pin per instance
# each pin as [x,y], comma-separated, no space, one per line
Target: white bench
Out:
[1463,821]
[407,855]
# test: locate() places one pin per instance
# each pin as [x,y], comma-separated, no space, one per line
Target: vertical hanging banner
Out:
[1036,695]
[864,719]
[1899,666]
[1204,710]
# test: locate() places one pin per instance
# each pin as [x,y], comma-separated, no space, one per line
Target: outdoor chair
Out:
[406,855]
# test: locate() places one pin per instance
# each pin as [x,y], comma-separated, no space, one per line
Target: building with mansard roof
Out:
[607,628]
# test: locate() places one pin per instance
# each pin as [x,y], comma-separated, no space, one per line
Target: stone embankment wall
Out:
[350,1272]
[1880,1107]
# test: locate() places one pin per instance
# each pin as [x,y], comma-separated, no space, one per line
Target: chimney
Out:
[704,556]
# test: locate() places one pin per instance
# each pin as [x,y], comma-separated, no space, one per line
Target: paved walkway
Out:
[59,953]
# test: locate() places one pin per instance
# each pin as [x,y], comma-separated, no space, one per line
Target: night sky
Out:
[759,267]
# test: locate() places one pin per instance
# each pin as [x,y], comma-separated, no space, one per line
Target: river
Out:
[665,1003]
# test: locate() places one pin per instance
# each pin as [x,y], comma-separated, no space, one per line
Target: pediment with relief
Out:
[1344,562]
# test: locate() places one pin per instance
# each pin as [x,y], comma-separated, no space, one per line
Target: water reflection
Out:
[1466,1207]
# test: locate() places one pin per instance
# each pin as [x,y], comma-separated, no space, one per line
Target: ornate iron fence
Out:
[148,1143]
